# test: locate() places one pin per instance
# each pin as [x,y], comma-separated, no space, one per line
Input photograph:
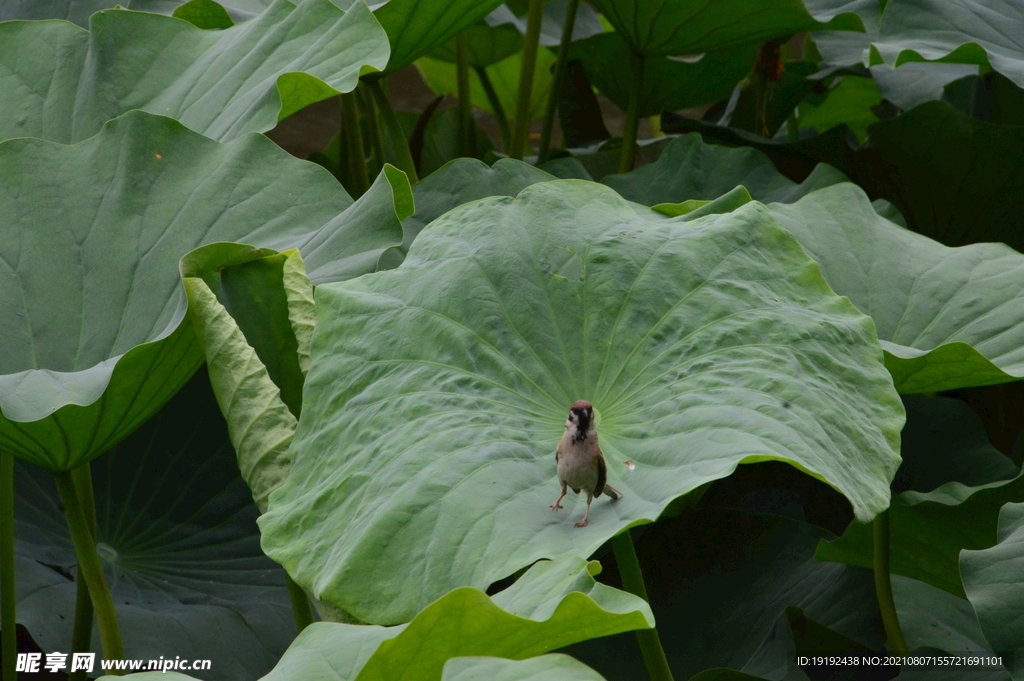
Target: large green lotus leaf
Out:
[356,240]
[486,45]
[668,84]
[252,287]
[79,11]
[237,10]
[795,160]
[681,27]
[930,525]
[933,618]
[260,416]
[943,170]
[178,539]
[205,14]
[253,311]
[64,83]
[415,27]
[985,32]
[542,668]
[839,48]
[538,592]
[928,530]
[93,317]
[598,160]
[720,582]
[916,83]
[947,317]
[850,102]
[942,332]
[813,638]
[945,173]
[442,143]
[464,180]
[945,441]
[689,168]
[438,391]
[990,97]
[465,622]
[76,11]
[992,579]
[330,651]
[911,84]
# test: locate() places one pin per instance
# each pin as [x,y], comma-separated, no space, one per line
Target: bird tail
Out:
[612,492]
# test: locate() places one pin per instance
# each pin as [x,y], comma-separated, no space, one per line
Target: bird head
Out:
[581,418]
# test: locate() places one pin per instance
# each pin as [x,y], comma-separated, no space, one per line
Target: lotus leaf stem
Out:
[633,582]
[90,568]
[792,128]
[301,608]
[632,115]
[373,127]
[883,585]
[499,110]
[556,88]
[81,634]
[353,151]
[467,143]
[521,131]
[8,600]
[401,144]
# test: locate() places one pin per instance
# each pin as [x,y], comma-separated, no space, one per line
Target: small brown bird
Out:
[581,464]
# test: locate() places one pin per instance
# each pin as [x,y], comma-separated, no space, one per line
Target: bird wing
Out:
[602,473]
[558,450]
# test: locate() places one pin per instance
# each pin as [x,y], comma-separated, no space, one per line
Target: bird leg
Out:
[583,523]
[555,506]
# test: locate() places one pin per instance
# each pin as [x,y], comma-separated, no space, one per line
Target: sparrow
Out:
[580,462]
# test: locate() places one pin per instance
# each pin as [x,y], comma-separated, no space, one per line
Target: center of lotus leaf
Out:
[107,553]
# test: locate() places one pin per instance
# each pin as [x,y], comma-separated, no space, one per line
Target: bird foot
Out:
[556,506]
[582,523]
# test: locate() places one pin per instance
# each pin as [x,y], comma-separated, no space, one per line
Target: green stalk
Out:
[401,145]
[521,131]
[8,602]
[301,608]
[354,153]
[883,584]
[90,567]
[81,634]
[632,116]
[556,87]
[467,143]
[82,477]
[373,123]
[341,170]
[633,582]
[499,110]
[792,128]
